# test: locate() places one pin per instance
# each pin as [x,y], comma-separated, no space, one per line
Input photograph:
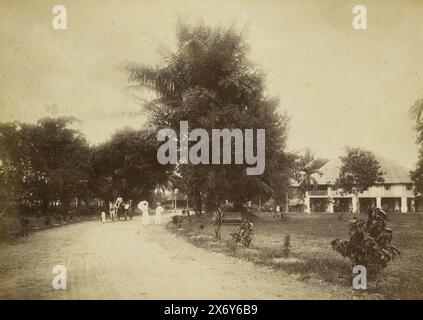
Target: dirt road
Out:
[126,260]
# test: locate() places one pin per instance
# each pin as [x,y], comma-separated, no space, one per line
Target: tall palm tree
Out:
[416,113]
[306,173]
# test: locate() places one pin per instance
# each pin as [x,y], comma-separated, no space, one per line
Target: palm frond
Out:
[160,80]
[416,110]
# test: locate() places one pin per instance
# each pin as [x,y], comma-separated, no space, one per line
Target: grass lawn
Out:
[311,256]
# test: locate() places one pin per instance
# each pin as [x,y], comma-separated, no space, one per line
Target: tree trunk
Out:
[198,203]
[238,206]
[259,203]
[286,202]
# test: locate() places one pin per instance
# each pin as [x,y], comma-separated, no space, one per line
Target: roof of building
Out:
[392,172]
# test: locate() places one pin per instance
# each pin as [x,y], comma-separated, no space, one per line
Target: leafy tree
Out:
[43,163]
[210,82]
[359,170]
[127,166]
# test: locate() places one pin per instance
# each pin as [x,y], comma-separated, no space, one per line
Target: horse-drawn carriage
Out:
[121,210]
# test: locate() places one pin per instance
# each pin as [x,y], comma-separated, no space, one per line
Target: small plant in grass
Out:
[247,233]
[369,244]
[244,234]
[286,249]
[218,220]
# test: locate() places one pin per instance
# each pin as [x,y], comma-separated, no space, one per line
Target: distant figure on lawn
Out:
[159,211]
[277,212]
[143,206]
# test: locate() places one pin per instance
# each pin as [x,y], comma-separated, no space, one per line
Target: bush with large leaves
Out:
[369,244]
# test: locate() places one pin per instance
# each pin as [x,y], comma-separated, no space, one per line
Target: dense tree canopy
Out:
[360,169]
[126,166]
[48,164]
[42,163]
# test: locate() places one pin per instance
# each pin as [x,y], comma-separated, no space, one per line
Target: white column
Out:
[354,200]
[379,202]
[330,200]
[404,208]
[307,202]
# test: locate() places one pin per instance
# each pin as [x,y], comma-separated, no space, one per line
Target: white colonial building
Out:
[395,194]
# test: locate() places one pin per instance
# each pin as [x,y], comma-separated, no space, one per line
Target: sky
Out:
[339,86]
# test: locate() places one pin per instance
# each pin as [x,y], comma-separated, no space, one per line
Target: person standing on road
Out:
[143,206]
[103,217]
[159,211]
[118,207]
[127,207]
[112,211]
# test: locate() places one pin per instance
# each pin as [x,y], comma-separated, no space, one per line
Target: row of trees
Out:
[49,164]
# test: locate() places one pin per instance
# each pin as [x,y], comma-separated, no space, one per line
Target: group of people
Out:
[119,208]
[143,206]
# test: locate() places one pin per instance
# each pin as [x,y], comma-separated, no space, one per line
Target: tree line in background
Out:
[47,165]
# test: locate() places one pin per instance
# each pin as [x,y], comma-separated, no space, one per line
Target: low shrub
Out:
[47,221]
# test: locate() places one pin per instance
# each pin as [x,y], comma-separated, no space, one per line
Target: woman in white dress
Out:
[143,206]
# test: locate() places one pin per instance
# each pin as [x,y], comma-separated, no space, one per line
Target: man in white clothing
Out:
[159,211]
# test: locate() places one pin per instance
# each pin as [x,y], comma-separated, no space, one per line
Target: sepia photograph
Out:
[237,150]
